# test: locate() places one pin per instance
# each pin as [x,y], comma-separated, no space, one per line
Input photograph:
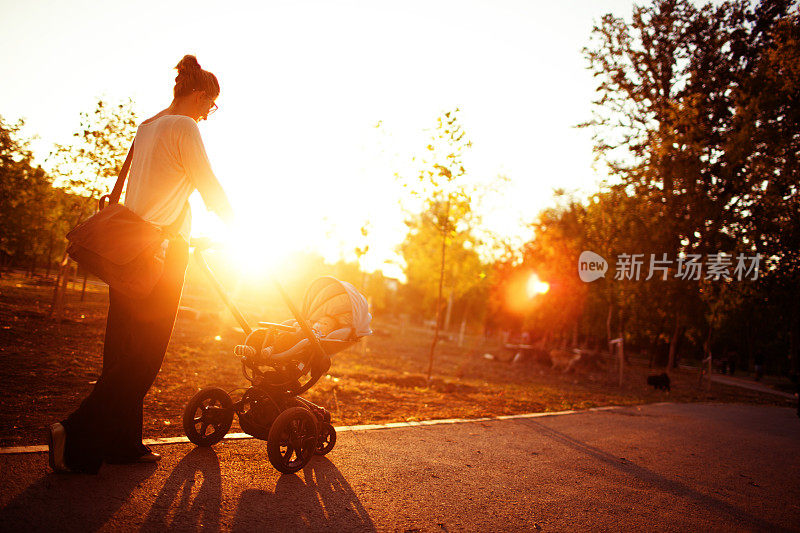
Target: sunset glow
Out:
[254,255]
[308,138]
[536,286]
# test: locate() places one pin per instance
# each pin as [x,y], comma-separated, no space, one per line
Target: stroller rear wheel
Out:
[209,408]
[326,440]
[292,440]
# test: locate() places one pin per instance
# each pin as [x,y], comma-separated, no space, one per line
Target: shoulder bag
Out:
[121,248]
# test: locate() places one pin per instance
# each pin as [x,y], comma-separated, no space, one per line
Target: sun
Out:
[255,254]
[536,286]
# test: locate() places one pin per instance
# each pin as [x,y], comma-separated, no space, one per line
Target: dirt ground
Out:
[47,368]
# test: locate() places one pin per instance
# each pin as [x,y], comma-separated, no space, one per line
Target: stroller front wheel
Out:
[326,440]
[209,408]
[292,440]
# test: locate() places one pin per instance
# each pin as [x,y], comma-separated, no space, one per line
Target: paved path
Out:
[666,467]
[749,384]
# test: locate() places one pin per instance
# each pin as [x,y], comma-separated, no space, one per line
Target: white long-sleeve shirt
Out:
[169,163]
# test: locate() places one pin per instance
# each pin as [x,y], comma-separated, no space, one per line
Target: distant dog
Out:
[659,381]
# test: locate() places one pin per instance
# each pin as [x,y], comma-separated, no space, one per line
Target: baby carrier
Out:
[282,361]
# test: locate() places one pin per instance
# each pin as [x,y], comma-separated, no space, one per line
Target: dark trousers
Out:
[108,423]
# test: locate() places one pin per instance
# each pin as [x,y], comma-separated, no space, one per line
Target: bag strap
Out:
[170,231]
[116,192]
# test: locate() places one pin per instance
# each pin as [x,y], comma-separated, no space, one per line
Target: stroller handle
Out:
[273,325]
[199,246]
[202,244]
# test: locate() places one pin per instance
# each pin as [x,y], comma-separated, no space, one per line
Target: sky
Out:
[323,103]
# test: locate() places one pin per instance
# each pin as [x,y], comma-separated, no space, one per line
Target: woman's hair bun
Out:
[193,78]
[188,63]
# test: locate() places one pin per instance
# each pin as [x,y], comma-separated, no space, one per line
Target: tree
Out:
[25,198]
[421,251]
[696,112]
[552,256]
[446,200]
[642,67]
[89,167]
[768,112]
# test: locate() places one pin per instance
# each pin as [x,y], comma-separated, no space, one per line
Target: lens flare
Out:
[536,286]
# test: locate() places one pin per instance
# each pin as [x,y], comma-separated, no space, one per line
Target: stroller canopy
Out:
[327,296]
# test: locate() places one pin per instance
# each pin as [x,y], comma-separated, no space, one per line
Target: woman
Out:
[167,163]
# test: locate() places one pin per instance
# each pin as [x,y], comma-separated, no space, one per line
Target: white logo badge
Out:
[591,266]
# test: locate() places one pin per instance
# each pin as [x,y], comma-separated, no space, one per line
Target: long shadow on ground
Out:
[198,512]
[325,501]
[190,499]
[73,502]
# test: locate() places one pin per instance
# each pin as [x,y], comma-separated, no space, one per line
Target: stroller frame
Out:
[270,409]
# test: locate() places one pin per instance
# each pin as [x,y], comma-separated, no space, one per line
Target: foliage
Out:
[696,116]
[89,166]
[421,251]
[442,229]
[37,208]
[440,249]
[22,186]
[30,208]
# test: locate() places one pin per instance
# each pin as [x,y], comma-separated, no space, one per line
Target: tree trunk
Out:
[544,344]
[449,311]
[83,288]
[463,328]
[60,287]
[794,341]
[748,340]
[622,328]
[620,348]
[608,329]
[364,348]
[57,310]
[50,254]
[708,355]
[439,297]
[677,333]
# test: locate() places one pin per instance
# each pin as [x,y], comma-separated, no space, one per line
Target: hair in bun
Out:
[192,78]
[188,63]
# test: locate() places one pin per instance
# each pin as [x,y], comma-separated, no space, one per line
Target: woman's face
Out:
[204,105]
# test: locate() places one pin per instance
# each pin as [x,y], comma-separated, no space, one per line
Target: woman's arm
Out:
[198,169]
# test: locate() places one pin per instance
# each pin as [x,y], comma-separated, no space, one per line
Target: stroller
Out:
[281,361]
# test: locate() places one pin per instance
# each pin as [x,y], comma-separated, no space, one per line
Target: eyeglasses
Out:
[212,109]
